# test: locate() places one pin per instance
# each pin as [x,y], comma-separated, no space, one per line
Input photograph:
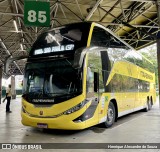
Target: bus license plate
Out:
[41,125]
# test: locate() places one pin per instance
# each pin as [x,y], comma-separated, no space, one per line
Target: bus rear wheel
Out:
[111,115]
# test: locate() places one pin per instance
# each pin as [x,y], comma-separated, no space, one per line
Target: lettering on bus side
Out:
[146,75]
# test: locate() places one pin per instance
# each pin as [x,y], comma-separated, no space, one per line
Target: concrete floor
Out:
[139,127]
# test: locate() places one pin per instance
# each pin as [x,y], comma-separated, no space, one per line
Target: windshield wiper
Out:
[69,94]
[53,94]
[67,38]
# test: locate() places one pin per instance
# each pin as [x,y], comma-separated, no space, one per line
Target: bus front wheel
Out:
[111,115]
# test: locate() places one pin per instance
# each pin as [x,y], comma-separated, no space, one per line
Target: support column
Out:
[0,83]
[158,59]
[13,87]
[158,47]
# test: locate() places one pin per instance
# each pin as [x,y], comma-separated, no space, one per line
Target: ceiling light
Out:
[16,27]
[21,47]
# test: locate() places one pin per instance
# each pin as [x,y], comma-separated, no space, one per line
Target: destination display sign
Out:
[52,49]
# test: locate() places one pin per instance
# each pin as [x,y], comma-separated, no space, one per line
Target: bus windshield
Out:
[55,79]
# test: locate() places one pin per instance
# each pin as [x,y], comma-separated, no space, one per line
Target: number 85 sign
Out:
[36,13]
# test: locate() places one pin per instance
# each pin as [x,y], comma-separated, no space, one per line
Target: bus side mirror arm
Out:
[10,59]
[78,57]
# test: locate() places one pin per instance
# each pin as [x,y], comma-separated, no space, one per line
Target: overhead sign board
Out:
[36,13]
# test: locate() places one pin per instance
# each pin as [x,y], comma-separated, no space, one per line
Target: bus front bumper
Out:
[62,122]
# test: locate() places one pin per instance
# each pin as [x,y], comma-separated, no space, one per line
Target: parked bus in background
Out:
[82,74]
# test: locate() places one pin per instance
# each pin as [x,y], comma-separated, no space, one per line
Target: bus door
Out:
[92,94]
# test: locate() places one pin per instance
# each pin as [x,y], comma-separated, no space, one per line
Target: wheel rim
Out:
[110,115]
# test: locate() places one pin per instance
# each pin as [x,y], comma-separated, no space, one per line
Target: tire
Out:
[111,115]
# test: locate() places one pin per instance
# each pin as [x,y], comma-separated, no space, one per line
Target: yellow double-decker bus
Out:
[82,74]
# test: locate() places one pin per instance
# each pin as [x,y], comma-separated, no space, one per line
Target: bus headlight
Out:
[67,112]
[75,108]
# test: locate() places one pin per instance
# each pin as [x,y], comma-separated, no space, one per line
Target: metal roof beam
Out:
[155,32]
[128,25]
[21,15]
[8,37]
[141,0]
[149,19]
[11,45]
[52,8]
[105,6]
[2,16]
[132,12]
[8,42]
[60,5]
[135,25]
[93,10]
[72,3]
[133,34]
[123,13]
[108,12]
[135,40]
[1,2]
[11,14]
[71,11]
[55,13]
[149,26]
[11,31]
[6,22]
[79,8]
[144,10]
[20,6]
[10,55]
[26,31]
[137,13]
[19,21]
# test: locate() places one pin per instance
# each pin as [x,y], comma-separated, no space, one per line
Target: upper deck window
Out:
[63,39]
[103,38]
